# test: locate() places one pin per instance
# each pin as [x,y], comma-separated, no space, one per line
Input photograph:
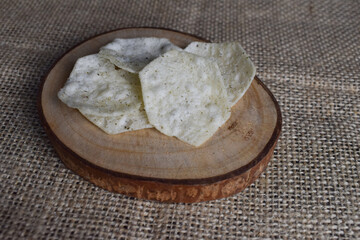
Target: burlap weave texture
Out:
[306,52]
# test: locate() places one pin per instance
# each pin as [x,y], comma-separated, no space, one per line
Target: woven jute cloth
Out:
[306,52]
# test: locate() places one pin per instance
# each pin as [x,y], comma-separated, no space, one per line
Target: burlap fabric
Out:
[307,53]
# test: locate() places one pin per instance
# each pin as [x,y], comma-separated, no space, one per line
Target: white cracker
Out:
[134,54]
[110,98]
[97,87]
[235,65]
[184,96]
[129,121]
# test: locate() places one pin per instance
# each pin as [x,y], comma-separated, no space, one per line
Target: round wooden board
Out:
[147,164]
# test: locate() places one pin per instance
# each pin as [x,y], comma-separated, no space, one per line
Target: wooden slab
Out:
[147,164]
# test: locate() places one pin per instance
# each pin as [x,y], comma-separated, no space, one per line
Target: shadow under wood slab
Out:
[147,164]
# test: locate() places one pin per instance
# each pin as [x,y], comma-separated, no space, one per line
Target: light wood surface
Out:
[147,164]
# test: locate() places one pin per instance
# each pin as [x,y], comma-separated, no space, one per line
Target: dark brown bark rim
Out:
[274,137]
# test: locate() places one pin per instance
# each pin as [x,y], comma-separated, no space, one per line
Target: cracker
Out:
[235,65]
[185,96]
[134,54]
[129,121]
[111,98]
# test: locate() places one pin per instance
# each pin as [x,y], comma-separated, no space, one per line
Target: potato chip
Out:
[109,97]
[134,54]
[235,65]
[185,96]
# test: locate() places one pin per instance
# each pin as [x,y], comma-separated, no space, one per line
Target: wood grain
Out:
[147,164]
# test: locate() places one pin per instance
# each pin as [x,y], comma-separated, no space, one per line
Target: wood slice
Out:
[147,164]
